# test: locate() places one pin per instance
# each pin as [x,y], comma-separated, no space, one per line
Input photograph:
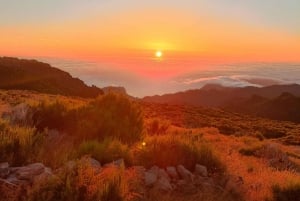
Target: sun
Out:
[158,54]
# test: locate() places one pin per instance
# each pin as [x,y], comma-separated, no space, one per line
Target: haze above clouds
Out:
[236,75]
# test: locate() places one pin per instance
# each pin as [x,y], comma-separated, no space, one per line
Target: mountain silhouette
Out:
[279,102]
[25,74]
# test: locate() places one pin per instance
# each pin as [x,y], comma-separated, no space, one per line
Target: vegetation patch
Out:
[172,150]
[287,193]
[105,151]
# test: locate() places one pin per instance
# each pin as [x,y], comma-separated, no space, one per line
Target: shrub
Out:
[249,151]
[112,116]
[48,115]
[18,145]
[227,129]
[272,133]
[290,192]
[172,150]
[252,146]
[106,151]
[157,126]
[83,183]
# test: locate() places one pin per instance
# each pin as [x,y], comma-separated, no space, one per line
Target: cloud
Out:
[234,81]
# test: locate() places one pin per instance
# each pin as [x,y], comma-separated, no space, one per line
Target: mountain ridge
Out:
[42,77]
[279,102]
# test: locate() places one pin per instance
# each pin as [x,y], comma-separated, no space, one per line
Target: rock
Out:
[200,181]
[140,170]
[14,180]
[4,165]
[184,173]
[163,184]
[30,171]
[185,186]
[154,169]
[94,163]
[70,165]
[172,172]
[181,182]
[119,162]
[163,174]
[44,176]
[201,170]
[4,170]
[150,178]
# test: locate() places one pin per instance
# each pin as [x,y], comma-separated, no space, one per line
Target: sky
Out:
[124,35]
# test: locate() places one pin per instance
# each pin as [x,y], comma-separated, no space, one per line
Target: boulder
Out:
[30,171]
[70,165]
[151,176]
[184,173]
[119,162]
[15,181]
[93,163]
[163,174]
[172,172]
[4,170]
[200,181]
[163,184]
[140,170]
[44,176]
[185,187]
[201,170]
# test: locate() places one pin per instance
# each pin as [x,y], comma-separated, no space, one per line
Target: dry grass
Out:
[258,177]
[190,128]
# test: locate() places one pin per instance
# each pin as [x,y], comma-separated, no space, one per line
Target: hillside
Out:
[278,102]
[116,148]
[284,107]
[37,76]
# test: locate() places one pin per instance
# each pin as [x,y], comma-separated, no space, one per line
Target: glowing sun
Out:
[158,54]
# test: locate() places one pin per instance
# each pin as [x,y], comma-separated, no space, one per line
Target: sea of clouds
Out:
[234,75]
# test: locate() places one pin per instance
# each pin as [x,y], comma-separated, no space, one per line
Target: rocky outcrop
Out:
[201,170]
[184,173]
[4,170]
[179,179]
[151,176]
[172,172]
[24,175]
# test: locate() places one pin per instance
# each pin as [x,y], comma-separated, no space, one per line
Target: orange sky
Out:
[130,37]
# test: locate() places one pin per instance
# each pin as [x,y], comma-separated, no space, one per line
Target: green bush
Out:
[106,151]
[290,192]
[172,150]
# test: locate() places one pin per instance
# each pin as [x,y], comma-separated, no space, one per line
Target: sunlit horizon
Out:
[154,42]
